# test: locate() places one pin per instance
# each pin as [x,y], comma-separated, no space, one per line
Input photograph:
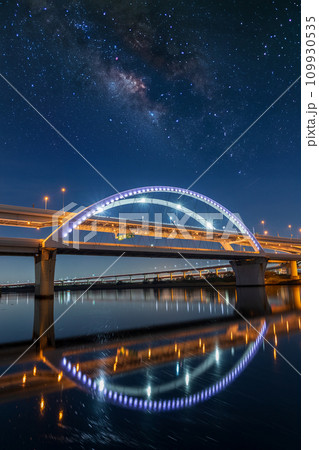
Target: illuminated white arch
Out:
[114,200]
[157,201]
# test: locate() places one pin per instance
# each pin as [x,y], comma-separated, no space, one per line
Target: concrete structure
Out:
[293,270]
[44,272]
[250,271]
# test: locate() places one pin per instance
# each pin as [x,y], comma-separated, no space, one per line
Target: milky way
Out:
[190,60]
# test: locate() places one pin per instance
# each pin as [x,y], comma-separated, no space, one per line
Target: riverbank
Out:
[216,281]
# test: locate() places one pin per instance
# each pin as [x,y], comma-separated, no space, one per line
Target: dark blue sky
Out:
[152,93]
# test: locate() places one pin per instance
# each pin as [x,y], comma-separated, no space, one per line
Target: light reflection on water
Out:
[105,311]
[165,364]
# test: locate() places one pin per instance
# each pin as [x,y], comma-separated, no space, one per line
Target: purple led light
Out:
[155,405]
[179,402]
[139,191]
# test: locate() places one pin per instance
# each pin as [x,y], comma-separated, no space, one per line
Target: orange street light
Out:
[263,224]
[63,192]
[46,202]
[289,226]
[265,232]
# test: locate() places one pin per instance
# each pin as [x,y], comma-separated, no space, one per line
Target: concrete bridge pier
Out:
[44,273]
[250,271]
[292,270]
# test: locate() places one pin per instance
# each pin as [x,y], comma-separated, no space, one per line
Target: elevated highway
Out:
[31,247]
[36,218]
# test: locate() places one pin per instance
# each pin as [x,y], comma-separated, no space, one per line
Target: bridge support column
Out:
[250,272]
[44,273]
[292,270]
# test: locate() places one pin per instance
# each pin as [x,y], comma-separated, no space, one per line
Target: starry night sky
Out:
[152,92]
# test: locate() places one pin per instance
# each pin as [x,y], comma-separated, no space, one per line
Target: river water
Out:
[152,368]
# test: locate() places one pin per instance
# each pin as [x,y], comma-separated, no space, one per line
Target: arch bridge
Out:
[236,244]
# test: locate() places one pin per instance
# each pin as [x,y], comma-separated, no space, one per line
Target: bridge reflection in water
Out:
[156,369]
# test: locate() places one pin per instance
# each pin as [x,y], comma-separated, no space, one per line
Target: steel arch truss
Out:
[131,196]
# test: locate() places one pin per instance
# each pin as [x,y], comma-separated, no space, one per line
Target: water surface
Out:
[152,345]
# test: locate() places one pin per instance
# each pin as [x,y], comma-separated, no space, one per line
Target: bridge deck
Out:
[30,247]
[35,218]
